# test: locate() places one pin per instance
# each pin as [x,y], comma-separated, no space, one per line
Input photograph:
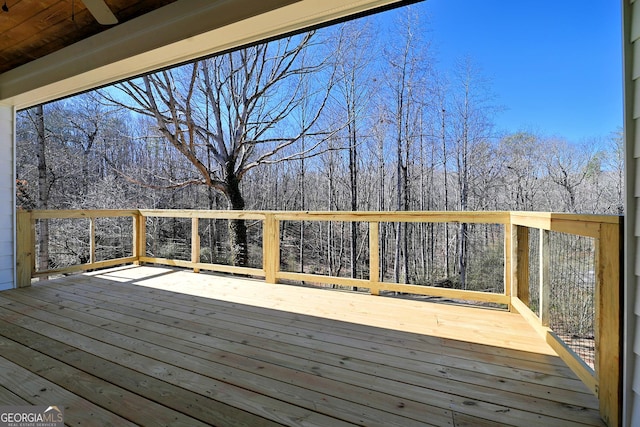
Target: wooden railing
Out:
[604,379]
[26,241]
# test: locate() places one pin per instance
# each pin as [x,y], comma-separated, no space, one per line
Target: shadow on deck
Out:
[156,346]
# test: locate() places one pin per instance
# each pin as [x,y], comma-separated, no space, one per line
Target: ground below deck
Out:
[155,346]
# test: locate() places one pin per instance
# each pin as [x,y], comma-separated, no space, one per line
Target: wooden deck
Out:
[155,346]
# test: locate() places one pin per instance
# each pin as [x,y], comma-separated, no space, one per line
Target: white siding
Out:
[634,419]
[631,351]
[7,198]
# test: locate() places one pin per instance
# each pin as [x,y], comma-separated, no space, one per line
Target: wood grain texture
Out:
[608,320]
[25,249]
[268,354]
[34,28]
[520,255]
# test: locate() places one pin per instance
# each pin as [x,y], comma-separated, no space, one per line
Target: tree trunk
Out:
[396,261]
[446,193]
[330,204]
[405,234]
[353,179]
[43,192]
[381,207]
[424,187]
[237,227]
[302,208]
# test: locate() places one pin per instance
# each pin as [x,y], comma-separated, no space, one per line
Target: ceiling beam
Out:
[174,34]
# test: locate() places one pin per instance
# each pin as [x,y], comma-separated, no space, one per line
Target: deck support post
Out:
[520,263]
[608,320]
[25,245]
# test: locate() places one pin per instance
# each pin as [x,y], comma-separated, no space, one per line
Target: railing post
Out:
[520,255]
[26,246]
[509,261]
[271,247]
[608,321]
[374,258]
[195,244]
[139,237]
[545,280]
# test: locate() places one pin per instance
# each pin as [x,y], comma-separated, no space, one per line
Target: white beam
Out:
[7,197]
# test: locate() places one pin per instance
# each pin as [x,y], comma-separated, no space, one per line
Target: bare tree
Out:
[567,167]
[406,83]
[522,170]
[249,94]
[43,188]
[472,111]
[441,118]
[355,89]
[614,162]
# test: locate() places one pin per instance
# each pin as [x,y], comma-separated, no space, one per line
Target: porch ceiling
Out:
[48,56]
[31,29]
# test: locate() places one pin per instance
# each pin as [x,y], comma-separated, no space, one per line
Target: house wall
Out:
[631,308]
[7,197]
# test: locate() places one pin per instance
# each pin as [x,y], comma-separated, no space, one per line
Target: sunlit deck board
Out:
[222,349]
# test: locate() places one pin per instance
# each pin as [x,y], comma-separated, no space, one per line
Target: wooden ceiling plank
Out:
[26,44]
[33,29]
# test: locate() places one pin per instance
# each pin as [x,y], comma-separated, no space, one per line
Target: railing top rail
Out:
[492,217]
[397,216]
[203,213]
[581,225]
[365,216]
[81,213]
[607,219]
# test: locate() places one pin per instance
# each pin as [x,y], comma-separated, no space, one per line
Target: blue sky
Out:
[555,66]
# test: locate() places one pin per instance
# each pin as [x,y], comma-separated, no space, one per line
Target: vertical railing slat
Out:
[92,240]
[522,263]
[195,243]
[271,247]
[374,257]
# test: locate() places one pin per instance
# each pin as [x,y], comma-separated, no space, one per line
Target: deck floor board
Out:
[157,346]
